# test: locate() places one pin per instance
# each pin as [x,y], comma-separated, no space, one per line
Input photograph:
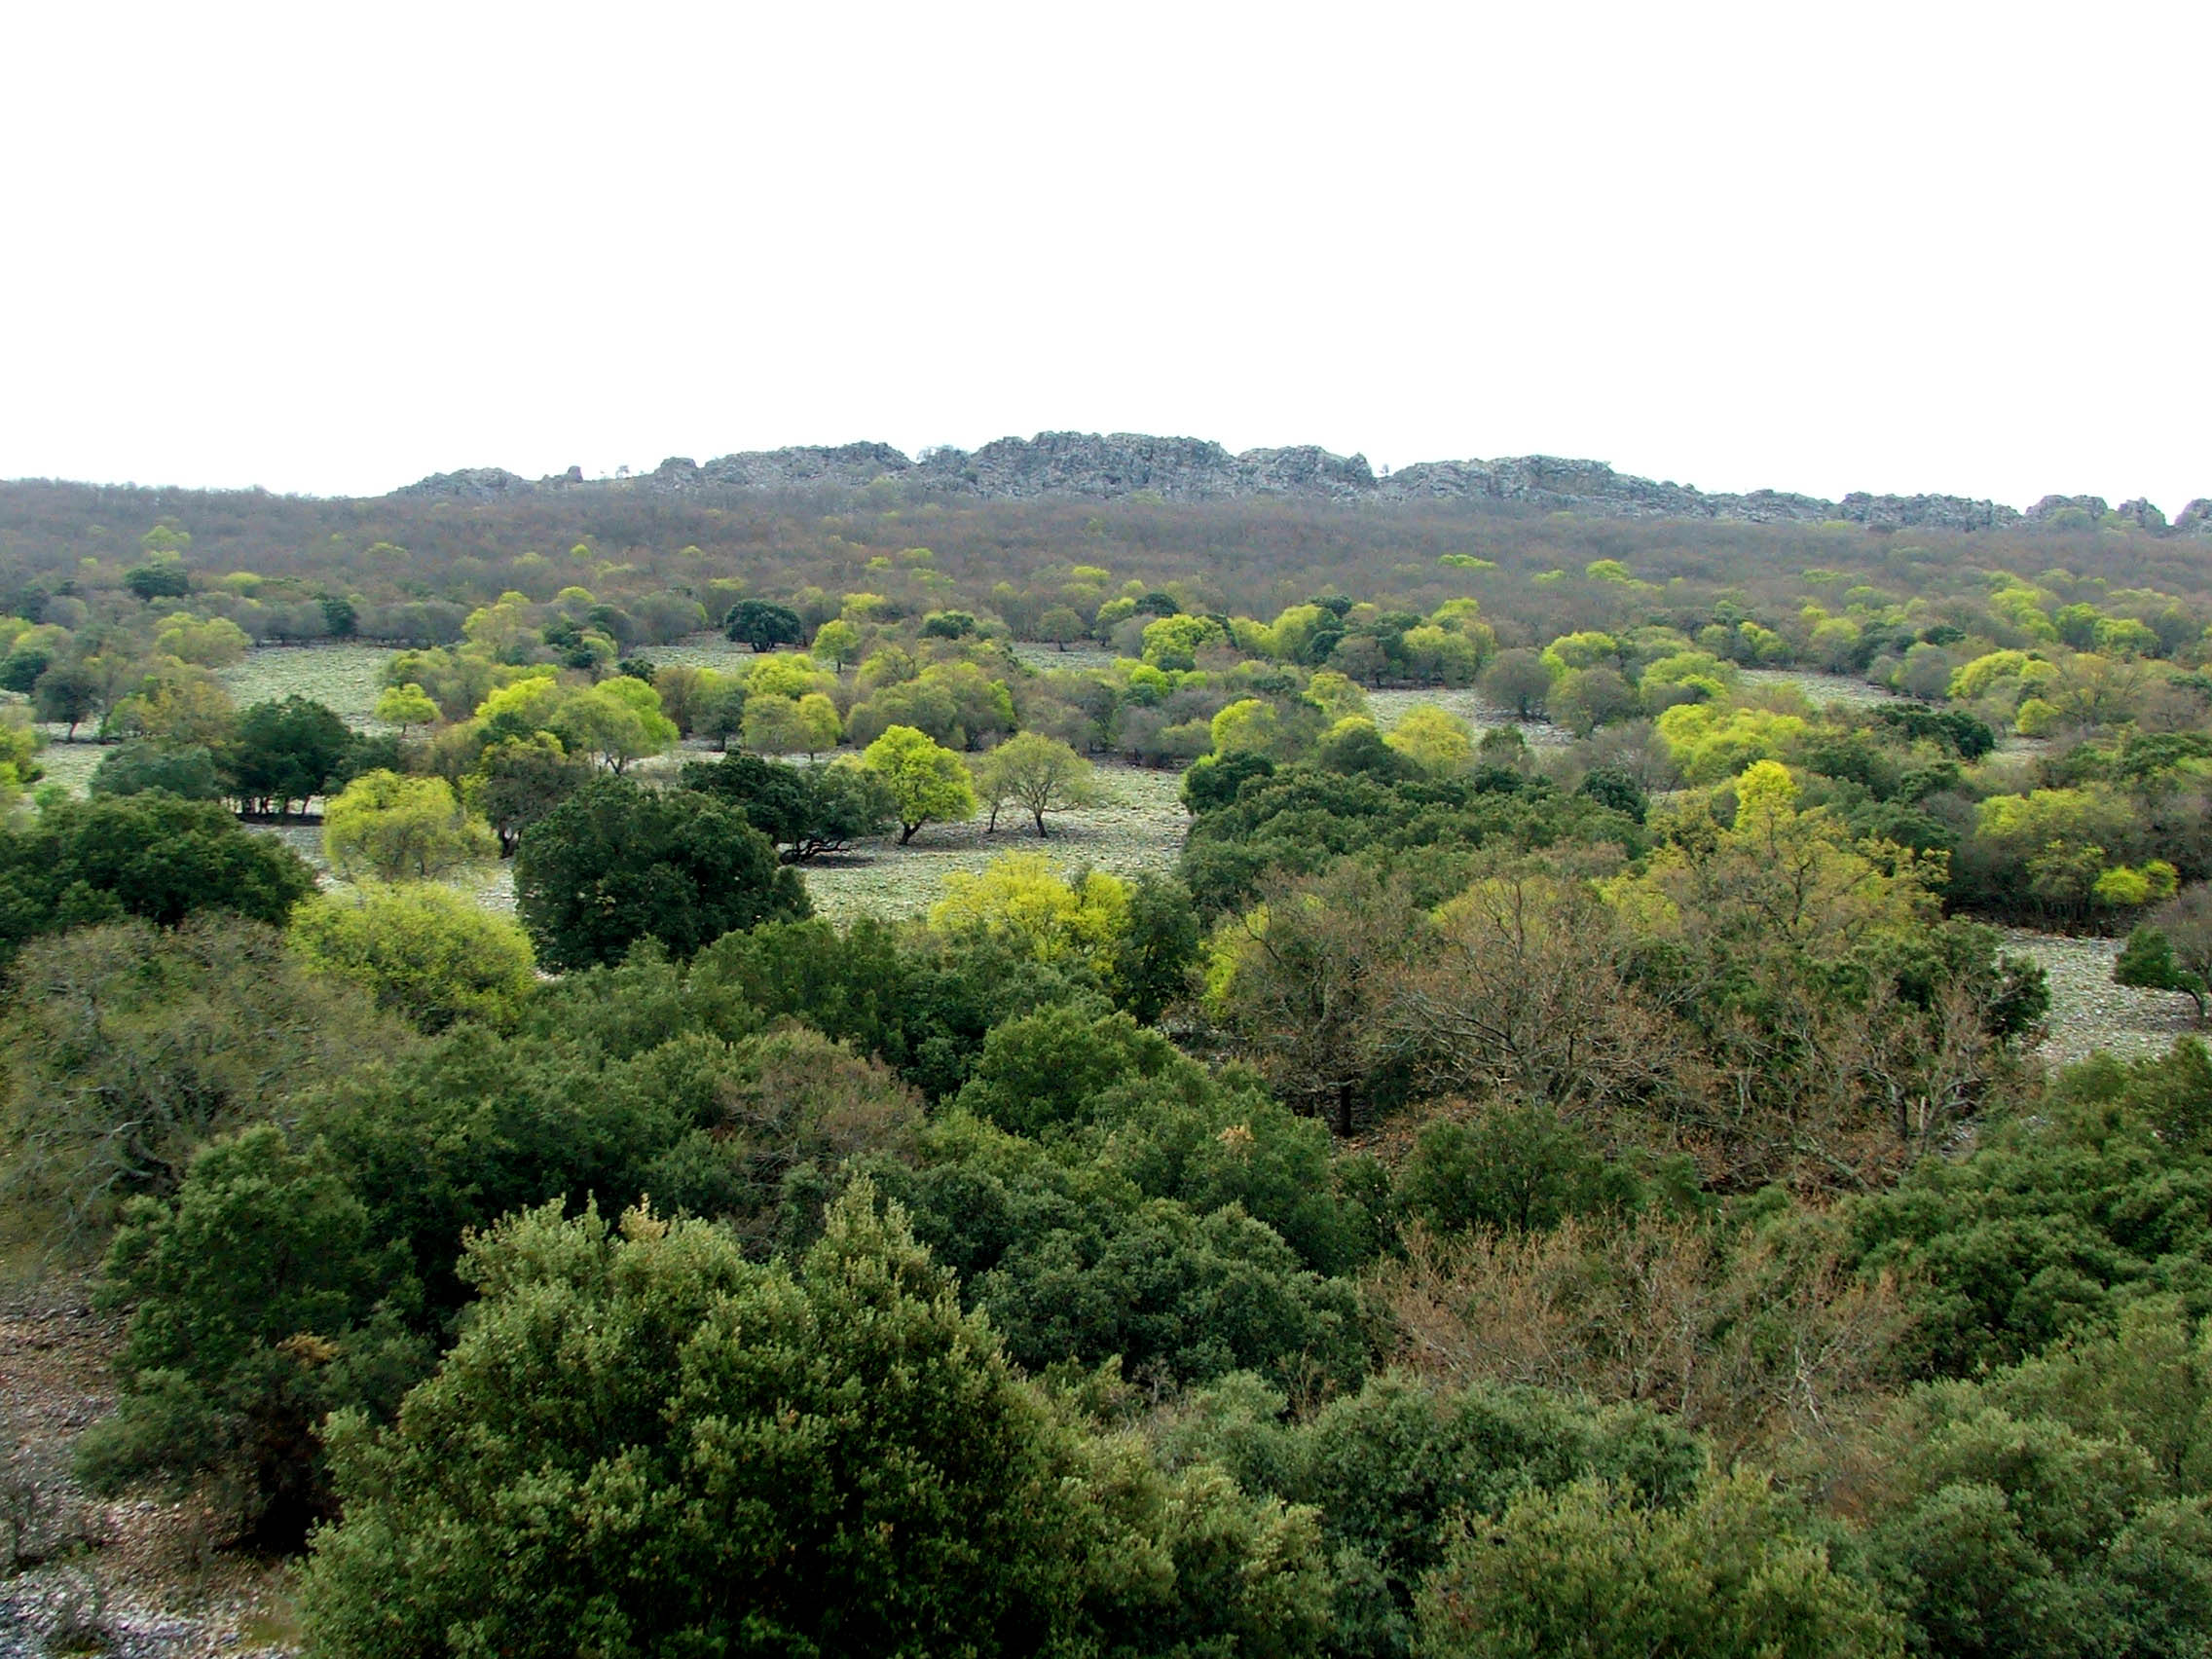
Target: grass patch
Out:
[1820,688]
[345,679]
[1388,708]
[1138,830]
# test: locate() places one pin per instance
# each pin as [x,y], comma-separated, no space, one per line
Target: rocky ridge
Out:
[1121,465]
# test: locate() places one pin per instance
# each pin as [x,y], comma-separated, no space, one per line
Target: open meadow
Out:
[1137,830]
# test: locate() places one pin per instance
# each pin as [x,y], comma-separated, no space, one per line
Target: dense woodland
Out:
[1595,1194]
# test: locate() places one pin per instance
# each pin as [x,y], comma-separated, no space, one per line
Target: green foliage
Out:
[2054,1225]
[163,579]
[927,782]
[429,955]
[854,1468]
[137,768]
[390,828]
[262,1300]
[1393,1469]
[1074,1266]
[69,693]
[1589,1570]
[406,705]
[614,864]
[283,753]
[1214,780]
[1300,819]
[151,856]
[1152,964]
[2059,1507]
[1510,1168]
[806,811]
[763,626]
[1020,903]
[519,780]
[921,1005]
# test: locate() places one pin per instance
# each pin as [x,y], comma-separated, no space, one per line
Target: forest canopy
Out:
[1553,1149]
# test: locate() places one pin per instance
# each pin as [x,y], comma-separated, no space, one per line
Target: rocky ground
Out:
[139,1579]
[2088,1012]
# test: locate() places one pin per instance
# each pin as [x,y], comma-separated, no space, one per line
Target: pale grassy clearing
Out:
[1087,659]
[1820,688]
[1388,708]
[344,678]
[68,764]
[701,650]
[1138,831]
[2088,1013]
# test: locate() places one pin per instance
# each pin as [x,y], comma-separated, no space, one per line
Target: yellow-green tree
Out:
[776,724]
[214,642]
[1247,726]
[1433,739]
[389,827]
[616,721]
[405,706]
[1019,900]
[428,954]
[928,783]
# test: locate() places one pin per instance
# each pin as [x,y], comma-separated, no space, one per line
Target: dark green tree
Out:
[283,753]
[805,810]
[69,693]
[262,1300]
[1590,1572]
[763,626]
[22,667]
[339,617]
[648,1444]
[165,578]
[152,856]
[615,863]
[137,767]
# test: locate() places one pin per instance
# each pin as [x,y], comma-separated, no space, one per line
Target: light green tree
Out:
[1040,773]
[1060,624]
[1434,740]
[776,724]
[616,721]
[1588,1571]
[389,827]
[927,780]
[214,642]
[1336,695]
[405,706]
[429,954]
[838,642]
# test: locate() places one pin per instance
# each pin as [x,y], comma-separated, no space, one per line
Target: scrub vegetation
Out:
[867,1073]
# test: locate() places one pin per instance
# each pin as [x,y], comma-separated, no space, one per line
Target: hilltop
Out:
[1122,464]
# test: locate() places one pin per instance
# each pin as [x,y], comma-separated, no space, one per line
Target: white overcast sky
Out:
[329,249]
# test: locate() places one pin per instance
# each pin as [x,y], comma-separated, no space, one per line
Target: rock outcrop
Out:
[1121,465]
